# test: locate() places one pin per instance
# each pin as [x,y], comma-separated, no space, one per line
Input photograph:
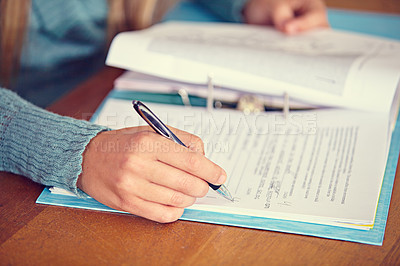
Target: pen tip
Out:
[223,191]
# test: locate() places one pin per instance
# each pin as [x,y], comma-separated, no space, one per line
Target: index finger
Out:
[192,162]
[310,14]
[193,142]
[306,22]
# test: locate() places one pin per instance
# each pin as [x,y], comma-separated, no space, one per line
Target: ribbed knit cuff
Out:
[230,10]
[41,145]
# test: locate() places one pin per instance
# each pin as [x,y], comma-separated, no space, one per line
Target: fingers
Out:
[177,180]
[310,14]
[193,163]
[138,171]
[150,200]
[193,142]
[306,22]
[288,16]
[190,160]
[282,13]
[150,210]
[294,16]
[180,157]
[155,193]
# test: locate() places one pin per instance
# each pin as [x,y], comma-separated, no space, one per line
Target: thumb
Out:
[306,22]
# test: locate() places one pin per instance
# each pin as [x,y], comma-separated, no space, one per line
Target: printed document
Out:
[319,166]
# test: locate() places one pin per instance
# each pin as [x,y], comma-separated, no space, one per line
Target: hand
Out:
[138,171]
[288,16]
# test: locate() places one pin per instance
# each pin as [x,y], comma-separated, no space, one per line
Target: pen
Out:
[163,130]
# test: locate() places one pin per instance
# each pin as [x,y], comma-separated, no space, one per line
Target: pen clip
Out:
[155,122]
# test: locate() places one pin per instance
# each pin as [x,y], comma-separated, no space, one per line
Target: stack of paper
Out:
[324,166]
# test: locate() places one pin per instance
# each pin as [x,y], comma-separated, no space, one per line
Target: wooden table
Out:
[37,234]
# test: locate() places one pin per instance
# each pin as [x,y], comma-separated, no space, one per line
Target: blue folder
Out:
[369,23]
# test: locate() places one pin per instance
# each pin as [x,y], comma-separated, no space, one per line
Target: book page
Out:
[322,67]
[323,166]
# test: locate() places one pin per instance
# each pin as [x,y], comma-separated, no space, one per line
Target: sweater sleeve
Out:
[41,145]
[230,10]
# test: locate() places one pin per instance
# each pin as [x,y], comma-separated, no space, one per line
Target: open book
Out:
[324,67]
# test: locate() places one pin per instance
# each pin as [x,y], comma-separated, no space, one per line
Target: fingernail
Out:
[221,179]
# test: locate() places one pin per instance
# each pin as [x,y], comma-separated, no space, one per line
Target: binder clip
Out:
[247,103]
[250,104]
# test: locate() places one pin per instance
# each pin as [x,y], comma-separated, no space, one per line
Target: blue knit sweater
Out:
[64,45]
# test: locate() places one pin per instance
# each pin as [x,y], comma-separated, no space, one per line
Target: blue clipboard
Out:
[384,26]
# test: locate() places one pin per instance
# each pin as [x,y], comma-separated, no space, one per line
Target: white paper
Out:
[135,81]
[323,67]
[323,166]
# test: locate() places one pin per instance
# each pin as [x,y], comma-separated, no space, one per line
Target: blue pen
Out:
[163,130]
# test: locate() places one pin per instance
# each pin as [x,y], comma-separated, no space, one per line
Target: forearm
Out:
[230,10]
[41,145]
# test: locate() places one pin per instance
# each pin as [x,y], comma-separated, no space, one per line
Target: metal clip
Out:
[184,96]
[250,104]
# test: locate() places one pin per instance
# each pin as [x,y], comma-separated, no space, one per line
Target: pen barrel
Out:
[214,187]
[159,127]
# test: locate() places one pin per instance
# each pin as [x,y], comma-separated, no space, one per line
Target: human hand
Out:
[141,172]
[288,16]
